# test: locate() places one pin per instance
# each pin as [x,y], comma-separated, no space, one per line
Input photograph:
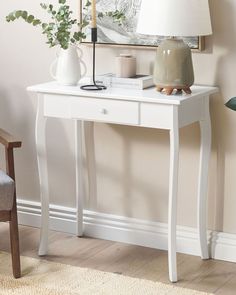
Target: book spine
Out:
[115,82]
[125,83]
[127,86]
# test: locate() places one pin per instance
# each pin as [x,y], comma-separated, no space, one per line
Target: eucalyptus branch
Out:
[59,31]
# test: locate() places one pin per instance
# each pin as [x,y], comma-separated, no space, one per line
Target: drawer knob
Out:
[103,111]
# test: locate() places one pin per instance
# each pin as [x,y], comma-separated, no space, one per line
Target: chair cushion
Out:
[7,188]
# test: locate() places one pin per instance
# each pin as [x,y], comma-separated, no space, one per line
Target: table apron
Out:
[123,112]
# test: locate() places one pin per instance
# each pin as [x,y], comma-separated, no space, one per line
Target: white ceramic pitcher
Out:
[66,69]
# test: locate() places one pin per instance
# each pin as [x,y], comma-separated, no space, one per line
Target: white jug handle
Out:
[52,67]
[85,69]
[81,61]
[54,64]
[80,51]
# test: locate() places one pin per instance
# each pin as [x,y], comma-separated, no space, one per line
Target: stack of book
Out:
[138,82]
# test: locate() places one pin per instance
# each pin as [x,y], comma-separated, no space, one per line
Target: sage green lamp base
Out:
[173,67]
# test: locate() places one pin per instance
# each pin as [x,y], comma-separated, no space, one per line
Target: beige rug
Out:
[48,278]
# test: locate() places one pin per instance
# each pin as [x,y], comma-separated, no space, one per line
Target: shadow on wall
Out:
[223,21]
[61,162]
[138,186]
[20,122]
[13,120]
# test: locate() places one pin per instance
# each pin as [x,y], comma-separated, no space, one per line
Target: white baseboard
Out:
[128,230]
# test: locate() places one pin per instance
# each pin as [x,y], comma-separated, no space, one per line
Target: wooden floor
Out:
[211,276]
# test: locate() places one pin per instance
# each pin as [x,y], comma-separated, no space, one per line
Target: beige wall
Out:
[132,163]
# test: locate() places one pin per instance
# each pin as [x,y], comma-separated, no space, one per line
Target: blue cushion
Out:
[7,188]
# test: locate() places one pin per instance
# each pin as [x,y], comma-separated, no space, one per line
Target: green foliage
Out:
[117,16]
[60,30]
[231,104]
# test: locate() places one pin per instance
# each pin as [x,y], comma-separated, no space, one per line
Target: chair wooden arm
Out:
[8,141]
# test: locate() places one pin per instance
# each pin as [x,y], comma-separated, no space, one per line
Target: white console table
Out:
[146,108]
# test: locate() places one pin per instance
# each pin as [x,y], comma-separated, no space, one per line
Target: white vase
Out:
[66,69]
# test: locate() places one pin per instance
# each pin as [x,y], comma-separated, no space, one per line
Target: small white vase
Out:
[66,69]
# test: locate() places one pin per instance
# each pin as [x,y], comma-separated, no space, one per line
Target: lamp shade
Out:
[174,18]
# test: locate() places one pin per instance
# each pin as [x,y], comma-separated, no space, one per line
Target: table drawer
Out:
[113,111]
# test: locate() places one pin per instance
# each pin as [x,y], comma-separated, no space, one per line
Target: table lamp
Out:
[173,67]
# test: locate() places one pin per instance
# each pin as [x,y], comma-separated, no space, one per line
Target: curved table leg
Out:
[205,128]
[173,190]
[43,175]
[91,163]
[79,176]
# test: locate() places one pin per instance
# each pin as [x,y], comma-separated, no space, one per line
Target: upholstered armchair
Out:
[8,211]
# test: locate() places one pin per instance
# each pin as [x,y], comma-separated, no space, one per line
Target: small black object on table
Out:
[94,86]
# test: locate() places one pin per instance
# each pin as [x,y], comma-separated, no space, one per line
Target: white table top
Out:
[146,95]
